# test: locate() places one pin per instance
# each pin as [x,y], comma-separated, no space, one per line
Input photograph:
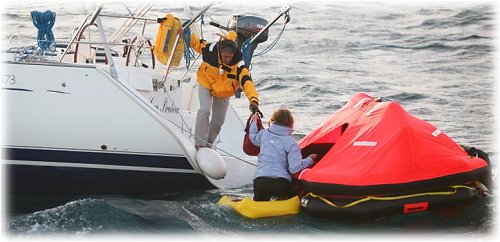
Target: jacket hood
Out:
[280,129]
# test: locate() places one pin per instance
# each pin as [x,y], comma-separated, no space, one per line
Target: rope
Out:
[368,198]
[44,23]
[238,158]
[245,48]
[202,22]
[27,53]
[195,137]
[273,44]
[189,53]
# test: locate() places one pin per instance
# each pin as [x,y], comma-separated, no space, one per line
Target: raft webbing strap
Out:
[167,39]
[368,198]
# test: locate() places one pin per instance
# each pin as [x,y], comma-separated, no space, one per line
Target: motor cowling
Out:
[248,26]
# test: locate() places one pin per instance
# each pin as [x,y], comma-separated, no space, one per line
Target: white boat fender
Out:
[211,163]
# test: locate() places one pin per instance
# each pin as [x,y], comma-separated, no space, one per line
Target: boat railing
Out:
[78,30]
[130,21]
[94,19]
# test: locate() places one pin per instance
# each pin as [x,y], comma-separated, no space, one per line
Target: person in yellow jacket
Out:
[220,75]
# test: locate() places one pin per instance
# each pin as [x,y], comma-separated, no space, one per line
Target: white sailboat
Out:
[88,118]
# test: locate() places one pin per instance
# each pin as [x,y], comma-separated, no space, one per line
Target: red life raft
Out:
[371,148]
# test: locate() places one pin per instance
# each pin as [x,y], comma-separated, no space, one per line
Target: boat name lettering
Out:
[8,79]
[165,107]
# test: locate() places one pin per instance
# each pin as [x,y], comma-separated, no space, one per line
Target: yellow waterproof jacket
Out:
[222,80]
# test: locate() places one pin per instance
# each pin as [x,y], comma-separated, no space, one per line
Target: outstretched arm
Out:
[196,43]
[295,161]
[247,84]
[254,133]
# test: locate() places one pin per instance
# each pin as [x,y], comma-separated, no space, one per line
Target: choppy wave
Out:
[198,214]
[438,61]
[74,217]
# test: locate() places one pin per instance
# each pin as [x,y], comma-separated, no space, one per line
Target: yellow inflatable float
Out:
[165,40]
[253,209]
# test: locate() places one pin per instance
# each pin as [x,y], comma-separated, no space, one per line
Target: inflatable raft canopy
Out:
[370,147]
[376,159]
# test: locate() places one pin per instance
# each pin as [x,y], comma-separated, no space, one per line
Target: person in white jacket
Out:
[279,157]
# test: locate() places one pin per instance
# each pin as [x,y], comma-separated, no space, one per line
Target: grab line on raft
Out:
[368,198]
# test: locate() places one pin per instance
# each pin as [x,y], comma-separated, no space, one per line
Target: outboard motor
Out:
[246,27]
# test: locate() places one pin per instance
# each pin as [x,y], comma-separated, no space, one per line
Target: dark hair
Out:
[227,45]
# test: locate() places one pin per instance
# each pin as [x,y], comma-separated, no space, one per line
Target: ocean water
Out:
[439,60]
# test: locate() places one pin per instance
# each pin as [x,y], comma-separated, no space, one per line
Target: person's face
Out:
[226,57]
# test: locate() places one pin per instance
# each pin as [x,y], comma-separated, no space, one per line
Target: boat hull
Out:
[68,172]
[73,129]
[39,180]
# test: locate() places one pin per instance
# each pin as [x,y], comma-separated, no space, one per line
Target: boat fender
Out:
[211,163]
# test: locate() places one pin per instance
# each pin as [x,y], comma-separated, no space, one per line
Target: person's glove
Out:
[254,108]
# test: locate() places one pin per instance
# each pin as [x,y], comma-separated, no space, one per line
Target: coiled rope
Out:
[189,53]
[44,23]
